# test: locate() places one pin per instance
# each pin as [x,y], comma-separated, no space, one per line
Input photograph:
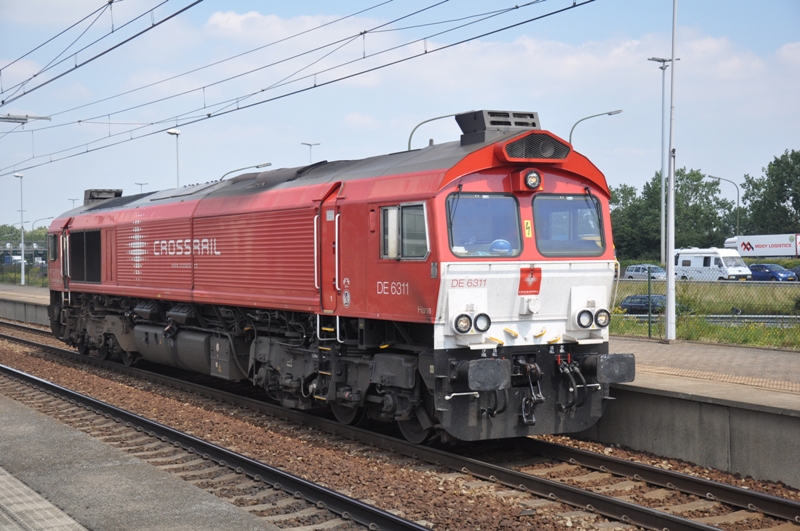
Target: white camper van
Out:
[710,264]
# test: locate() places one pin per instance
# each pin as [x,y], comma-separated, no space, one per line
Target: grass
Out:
[715,298]
[33,276]
[696,328]
[718,298]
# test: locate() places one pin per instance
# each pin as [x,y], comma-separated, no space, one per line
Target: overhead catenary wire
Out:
[101,54]
[48,41]
[50,65]
[233,77]
[346,40]
[237,100]
[86,149]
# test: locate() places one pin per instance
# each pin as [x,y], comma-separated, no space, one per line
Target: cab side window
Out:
[52,247]
[404,232]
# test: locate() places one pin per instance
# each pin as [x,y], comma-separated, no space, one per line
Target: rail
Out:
[604,505]
[322,497]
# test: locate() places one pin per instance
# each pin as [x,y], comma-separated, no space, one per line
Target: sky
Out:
[355,77]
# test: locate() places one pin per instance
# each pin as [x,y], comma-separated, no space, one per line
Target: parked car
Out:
[796,271]
[771,272]
[637,305]
[640,272]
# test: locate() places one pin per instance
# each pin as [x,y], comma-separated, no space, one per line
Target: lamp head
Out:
[18,175]
[173,131]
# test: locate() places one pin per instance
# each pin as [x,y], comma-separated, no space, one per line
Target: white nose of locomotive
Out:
[483,306]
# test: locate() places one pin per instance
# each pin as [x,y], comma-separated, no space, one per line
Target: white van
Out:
[710,264]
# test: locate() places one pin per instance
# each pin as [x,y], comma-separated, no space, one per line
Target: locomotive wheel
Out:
[418,428]
[82,348]
[129,359]
[413,431]
[348,415]
[104,353]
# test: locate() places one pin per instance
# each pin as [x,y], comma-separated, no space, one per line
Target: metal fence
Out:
[34,275]
[735,312]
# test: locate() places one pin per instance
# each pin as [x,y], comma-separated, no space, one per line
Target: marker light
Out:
[533,179]
[602,318]
[482,322]
[585,319]
[463,323]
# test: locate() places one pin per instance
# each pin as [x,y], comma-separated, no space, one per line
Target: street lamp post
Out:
[141,185]
[73,201]
[663,68]
[737,198]
[670,327]
[310,147]
[176,133]
[33,225]
[264,165]
[21,229]
[592,116]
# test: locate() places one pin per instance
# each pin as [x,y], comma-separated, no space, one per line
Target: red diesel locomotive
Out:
[460,290]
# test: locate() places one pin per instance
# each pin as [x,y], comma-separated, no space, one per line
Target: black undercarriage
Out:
[387,371]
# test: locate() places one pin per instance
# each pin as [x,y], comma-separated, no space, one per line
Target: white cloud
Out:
[789,54]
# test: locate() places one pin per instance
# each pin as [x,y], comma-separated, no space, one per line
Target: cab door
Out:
[329,249]
[65,254]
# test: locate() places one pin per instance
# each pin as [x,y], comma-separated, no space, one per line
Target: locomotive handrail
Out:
[316,252]
[474,394]
[336,254]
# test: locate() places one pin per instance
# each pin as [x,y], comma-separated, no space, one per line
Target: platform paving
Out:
[96,485]
[31,294]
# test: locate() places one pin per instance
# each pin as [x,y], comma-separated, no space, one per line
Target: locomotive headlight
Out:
[482,322]
[584,319]
[602,318]
[463,323]
[533,179]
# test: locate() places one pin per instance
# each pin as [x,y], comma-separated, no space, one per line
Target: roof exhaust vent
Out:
[95,195]
[478,126]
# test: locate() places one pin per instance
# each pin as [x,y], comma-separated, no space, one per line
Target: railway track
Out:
[596,484]
[286,501]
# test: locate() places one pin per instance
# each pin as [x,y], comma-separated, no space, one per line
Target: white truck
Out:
[710,264]
[765,245]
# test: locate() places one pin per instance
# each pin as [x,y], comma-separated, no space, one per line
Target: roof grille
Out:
[537,146]
[117,202]
[476,124]
[95,195]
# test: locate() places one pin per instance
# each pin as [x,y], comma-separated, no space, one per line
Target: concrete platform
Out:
[24,303]
[732,408]
[22,509]
[96,485]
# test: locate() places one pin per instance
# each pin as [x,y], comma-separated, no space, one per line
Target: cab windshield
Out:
[483,224]
[568,225]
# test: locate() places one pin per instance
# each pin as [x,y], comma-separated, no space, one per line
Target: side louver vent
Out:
[537,146]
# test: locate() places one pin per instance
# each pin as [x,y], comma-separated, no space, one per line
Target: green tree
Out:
[627,208]
[701,217]
[773,200]
[699,212]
